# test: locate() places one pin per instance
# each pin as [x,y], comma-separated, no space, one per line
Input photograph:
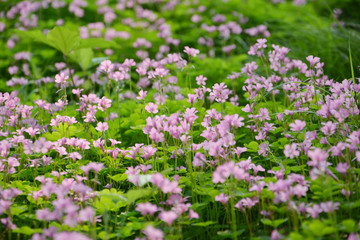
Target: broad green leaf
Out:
[83,57]
[297,168]
[133,195]
[274,223]
[118,177]
[105,203]
[204,224]
[35,35]
[267,222]
[16,210]
[252,146]
[144,179]
[183,170]
[318,228]
[63,130]
[105,235]
[349,225]
[115,197]
[98,60]
[27,230]
[63,39]
[228,234]
[167,171]
[295,236]
[54,136]
[96,42]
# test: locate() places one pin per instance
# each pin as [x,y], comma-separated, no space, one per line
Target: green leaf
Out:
[274,223]
[167,171]
[96,42]
[133,195]
[118,177]
[54,136]
[16,210]
[105,235]
[183,170]
[115,197]
[35,35]
[105,203]
[144,179]
[27,230]
[228,234]
[295,236]
[63,39]
[98,60]
[252,146]
[297,168]
[349,225]
[204,224]
[318,228]
[83,57]
[267,222]
[278,222]
[64,130]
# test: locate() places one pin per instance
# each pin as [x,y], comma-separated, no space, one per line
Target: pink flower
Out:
[353,236]
[70,235]
[246,203]
[357,155]
[275,235]
[220,92]
[102,127]
[201,80]
[168,216]
[192,98]
[263,114]
[193,214]
[328,128]
[8,223]
[142,95]
[77,91]
[239,150]
[263,149]
[161,72]
[114,142]
[13,70]
[104,103]
[290,151]
[96,167]
[258,48]
[165,184]
[147,208]
[342,168]
[32,131]
[152,108]
[317,156]
[297,126]
[61,78]
[156,136]
[191,51]
[312,60]
[153,233]
[329,206]
[87,214]
[314,211]
[106,66]
[223,198]
[75,155]
[148,151]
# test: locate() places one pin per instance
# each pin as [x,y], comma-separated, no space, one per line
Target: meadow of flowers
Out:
[179,119]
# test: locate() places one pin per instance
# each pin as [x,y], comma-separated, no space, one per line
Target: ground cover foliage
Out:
[159,119]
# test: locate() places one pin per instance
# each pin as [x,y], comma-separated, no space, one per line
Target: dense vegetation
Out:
[159,119]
